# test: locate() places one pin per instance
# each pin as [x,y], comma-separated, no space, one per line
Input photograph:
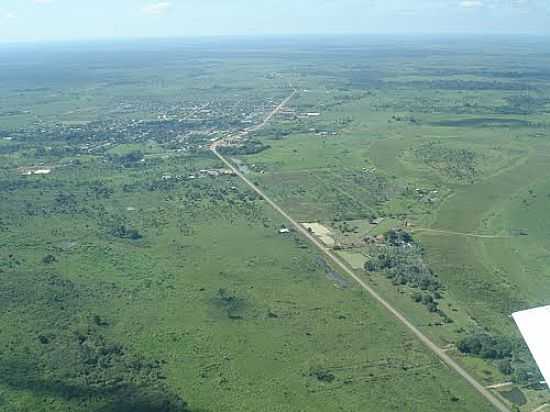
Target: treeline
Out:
[524,104]
[486,346]
[511,356]
[400,258]
[248,148]
[460,85]
[283,129]
[538,74]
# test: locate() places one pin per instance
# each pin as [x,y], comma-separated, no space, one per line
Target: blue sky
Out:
[32,20]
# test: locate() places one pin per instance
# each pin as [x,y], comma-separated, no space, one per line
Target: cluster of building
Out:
[201,174]
[293,114]
[215,172]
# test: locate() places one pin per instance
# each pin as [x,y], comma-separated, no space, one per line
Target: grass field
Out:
[211,304]
[139,276]
[470,182]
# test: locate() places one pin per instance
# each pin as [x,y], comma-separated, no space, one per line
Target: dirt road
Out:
[447,232]
[273,113]
[338,263]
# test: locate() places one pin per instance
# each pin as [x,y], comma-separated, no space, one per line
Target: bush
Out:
[505,366]
[417,297]
[401,259]
[48,259]
[323,375]
[124,232]
[487,347]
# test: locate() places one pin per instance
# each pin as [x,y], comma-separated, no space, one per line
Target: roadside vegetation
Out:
[139,274]
[437,158]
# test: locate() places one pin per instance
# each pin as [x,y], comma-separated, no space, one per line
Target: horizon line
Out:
[272,36]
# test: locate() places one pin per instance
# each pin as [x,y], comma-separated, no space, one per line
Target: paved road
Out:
[441,354]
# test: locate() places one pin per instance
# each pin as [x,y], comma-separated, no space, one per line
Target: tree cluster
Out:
[247,148]
[125,232]
[486,346]
[511,356]
[127,160]
[458,164]
[401,259]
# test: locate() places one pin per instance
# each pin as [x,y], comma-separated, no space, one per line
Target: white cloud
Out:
[157,9]
[42,1]
[471,4]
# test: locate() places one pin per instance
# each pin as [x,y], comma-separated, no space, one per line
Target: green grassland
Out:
[209,305]
[479,146]
[132,282]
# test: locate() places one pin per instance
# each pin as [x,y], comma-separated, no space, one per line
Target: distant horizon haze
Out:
[69,20]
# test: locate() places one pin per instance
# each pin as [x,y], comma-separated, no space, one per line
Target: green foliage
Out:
[124,232]
[459,164]
[131,159]
[323,375]
[249,147]
[511,356]
[487,347]
[48,259]
[96,330]
[505,366]
[231,304]
[398,237]
[401,259]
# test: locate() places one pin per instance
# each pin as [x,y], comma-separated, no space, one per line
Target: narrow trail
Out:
[338,263]
[448,232]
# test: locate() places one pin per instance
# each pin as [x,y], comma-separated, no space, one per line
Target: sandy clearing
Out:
[322,232]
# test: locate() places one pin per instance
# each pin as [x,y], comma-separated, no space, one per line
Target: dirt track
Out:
[448,232]
[338,263]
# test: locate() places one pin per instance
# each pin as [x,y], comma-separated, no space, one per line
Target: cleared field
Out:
[320,231]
